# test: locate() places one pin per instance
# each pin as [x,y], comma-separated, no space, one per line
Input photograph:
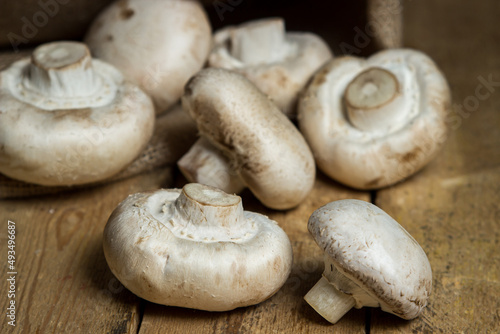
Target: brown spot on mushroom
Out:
[278,78]
[320,78]
[277,264]
[146,281]
[141,239]
[253,167]
[80,115]
[410,156]
[109,38]
[127,13]
[373,183]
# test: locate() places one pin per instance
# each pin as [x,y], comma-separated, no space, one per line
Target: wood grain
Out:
[63,283]
[452,207]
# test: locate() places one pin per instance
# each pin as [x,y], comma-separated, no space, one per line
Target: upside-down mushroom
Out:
[373,122]
[278,62]
[68,119]
[196,248]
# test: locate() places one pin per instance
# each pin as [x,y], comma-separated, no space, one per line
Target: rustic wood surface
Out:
[453,206]
[63,284]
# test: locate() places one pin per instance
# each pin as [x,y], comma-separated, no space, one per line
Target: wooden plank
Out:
[285,312]
[452,206]
[63,284]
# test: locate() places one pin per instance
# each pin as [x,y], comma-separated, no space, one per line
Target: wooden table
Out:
[452,208]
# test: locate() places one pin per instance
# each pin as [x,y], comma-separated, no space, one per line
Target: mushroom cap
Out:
[377,158]
[376,253]
[284,75]
[156,44]
[264,147]
[164,250]
[91,140]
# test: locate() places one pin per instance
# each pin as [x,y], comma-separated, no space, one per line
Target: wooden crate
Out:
[364,24]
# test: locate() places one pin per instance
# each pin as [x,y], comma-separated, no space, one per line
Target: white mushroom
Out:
[279,63]
[68,119]
[157,44]
[371,123]
[370,260]
[196,248]
[256,142]
[206,164]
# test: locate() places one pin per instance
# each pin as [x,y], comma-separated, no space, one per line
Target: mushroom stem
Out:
[62,70]
[258,42]
[328,301]
[206,207]
[205,164]
[373,100]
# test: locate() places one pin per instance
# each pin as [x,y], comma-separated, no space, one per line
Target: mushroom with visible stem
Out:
[208,165]
[372,98]
[279,63]
[370,260]
[254,144]
[68,119]
[196,248]
[371,123]
[157,44]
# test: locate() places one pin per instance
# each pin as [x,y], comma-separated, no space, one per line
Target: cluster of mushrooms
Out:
[68,118]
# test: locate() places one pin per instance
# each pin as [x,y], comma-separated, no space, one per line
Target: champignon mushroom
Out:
[370,260]
[208,165]
[371,123]
[157,44]
[196,248]
[279,63]
[259,144]
[68,119]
